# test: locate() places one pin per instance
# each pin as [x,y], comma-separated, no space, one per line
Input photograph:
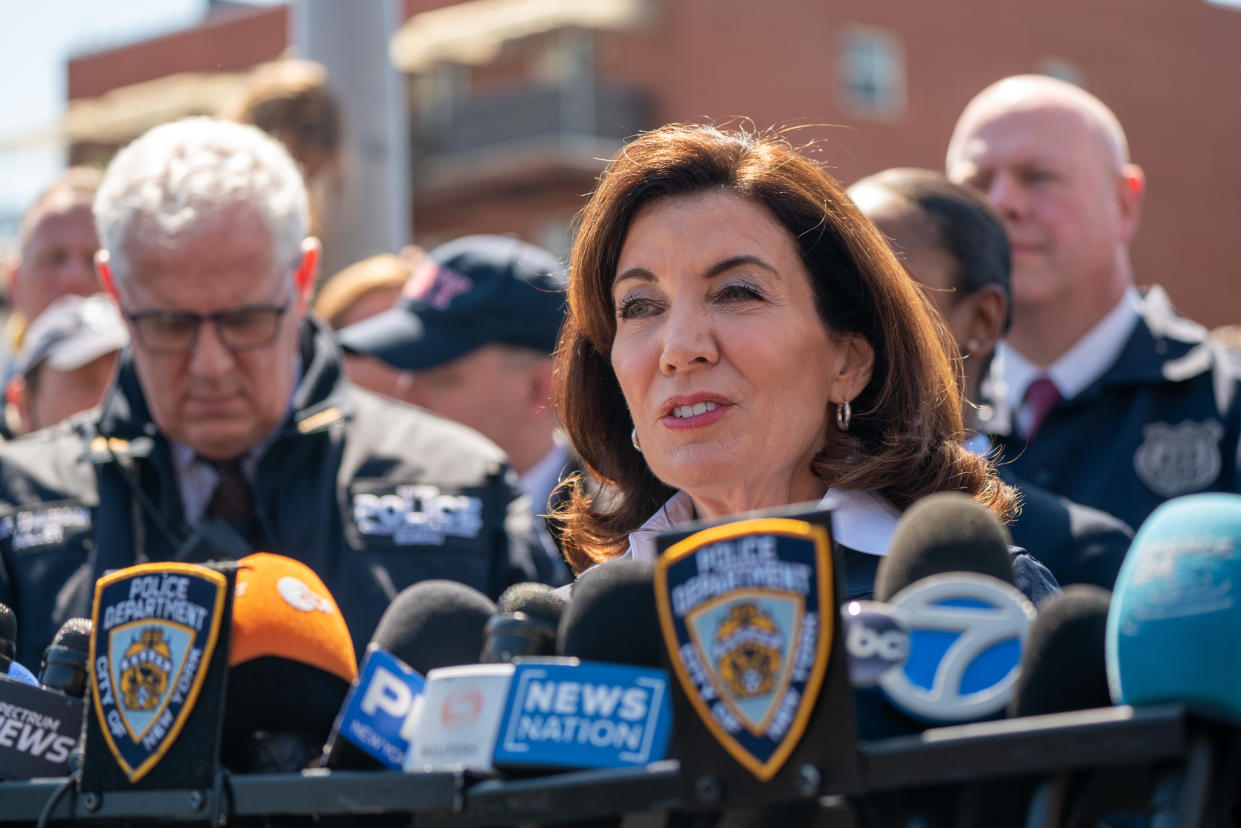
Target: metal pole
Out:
[351,41]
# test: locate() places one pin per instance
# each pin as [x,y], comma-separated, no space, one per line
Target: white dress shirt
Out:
[537,484]
[540,480]
[1076,369]
[862,521]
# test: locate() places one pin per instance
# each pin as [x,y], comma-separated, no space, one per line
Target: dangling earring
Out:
[633,438]
[844,414]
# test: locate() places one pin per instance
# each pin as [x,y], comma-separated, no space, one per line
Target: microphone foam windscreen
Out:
[434,624]
[538,600]
[944,532]
[1062,667]
[74,634]
[282,609]
[1176,609]
[291,657]
[613,617]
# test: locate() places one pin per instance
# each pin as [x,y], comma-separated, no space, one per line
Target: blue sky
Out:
[36,41]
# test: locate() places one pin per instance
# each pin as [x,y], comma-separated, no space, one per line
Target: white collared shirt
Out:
[862,521]
[197,478]
[540,480]
[537,484]
[1076,369]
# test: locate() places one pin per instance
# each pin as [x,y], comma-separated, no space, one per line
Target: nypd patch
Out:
[1179,459]
[746,613]
[155,629]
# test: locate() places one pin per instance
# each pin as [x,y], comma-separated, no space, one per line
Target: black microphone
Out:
[428,625]
[602,705]
[944,532]
[1063,667]
[8,637]
[613,617]
[949,577]
[525,623]
[64,661]
[435,624]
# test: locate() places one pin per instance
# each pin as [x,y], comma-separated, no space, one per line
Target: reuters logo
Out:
[461,707]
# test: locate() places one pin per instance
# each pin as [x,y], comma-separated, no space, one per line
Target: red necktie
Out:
[1041,396]
[231,500]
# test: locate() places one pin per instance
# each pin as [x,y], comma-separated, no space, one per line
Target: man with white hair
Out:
[230,427]
[1100,393]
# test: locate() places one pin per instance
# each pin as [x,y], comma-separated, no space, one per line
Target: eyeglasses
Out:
[176,332]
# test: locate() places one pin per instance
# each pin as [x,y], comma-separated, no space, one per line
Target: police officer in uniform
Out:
[953,243]
[1100,393]
[472,338]
[230,427]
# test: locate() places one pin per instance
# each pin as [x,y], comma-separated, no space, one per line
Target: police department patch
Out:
[155,629]
[746,613]
[1179,459]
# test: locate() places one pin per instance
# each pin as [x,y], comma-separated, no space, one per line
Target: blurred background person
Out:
[359,292]
[954,245]
[55,253]
[230,426]
[292,101]
[1094,381]
[472,339]
[67,360]
[740,337]
[362,290]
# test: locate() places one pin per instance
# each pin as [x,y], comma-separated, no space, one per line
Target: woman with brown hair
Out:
[739,338]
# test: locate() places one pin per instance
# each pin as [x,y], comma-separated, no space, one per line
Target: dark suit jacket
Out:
[1080,545]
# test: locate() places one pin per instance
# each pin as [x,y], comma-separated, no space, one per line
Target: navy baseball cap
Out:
[470,292]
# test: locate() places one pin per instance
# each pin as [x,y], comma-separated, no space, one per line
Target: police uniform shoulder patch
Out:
[155,629]
[1179,459]
[746,612]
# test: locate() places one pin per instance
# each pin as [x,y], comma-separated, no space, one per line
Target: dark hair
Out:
[969,228]
[904,440]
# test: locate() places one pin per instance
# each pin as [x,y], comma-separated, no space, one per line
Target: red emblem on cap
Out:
[436,285]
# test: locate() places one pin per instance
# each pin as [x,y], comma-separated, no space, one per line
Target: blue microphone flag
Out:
[570,714]
[381,711]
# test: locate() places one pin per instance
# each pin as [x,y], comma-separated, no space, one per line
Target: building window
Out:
[870,73]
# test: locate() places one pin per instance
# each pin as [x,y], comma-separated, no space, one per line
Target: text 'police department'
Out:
[157,596]
[750,561]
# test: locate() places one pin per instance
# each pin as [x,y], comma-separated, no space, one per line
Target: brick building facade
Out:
[512,112]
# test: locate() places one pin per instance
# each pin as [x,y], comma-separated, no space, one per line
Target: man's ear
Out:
[1130,191]
[539,385]
[856,363]
[306,272]
[15,395]
[104,268]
